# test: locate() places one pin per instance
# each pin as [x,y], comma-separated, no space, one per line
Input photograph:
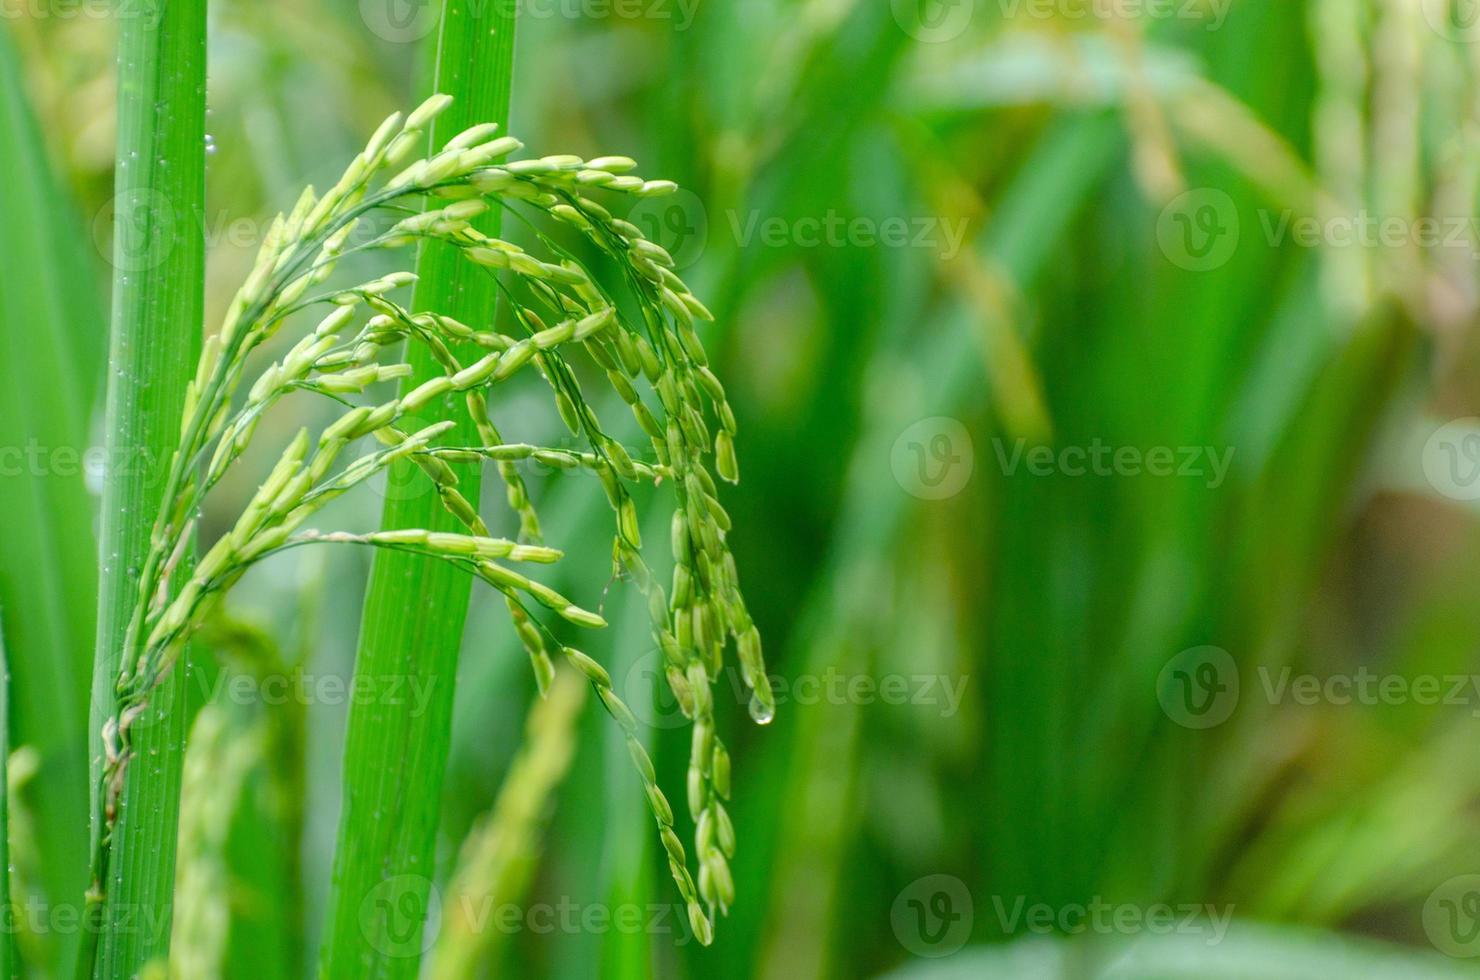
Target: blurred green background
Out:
[1105,375]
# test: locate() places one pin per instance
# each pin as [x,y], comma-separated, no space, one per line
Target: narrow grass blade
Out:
[155,342]
[48,564]
[415,607]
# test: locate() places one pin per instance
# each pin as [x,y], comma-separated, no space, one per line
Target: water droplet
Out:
[760,712]
[210,144]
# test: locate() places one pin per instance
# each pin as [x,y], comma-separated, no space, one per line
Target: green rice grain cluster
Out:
[652,358]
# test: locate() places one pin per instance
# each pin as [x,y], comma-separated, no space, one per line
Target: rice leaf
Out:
[155,340]
[48,563]
[415,607]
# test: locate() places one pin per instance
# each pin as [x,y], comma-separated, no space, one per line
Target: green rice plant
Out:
[559,308]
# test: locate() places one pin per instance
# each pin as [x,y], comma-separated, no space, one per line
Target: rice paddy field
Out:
[918,489]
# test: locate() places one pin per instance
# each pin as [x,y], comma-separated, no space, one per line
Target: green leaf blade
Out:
[415,607]
[158,299]
[48,565]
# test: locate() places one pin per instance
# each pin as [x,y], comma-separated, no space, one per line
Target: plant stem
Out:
[158,286]
[415,607]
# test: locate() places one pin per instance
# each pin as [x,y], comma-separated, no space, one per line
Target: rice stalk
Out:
[243,760]
[499,855]
[218,764]
[269,936]
[560,310]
